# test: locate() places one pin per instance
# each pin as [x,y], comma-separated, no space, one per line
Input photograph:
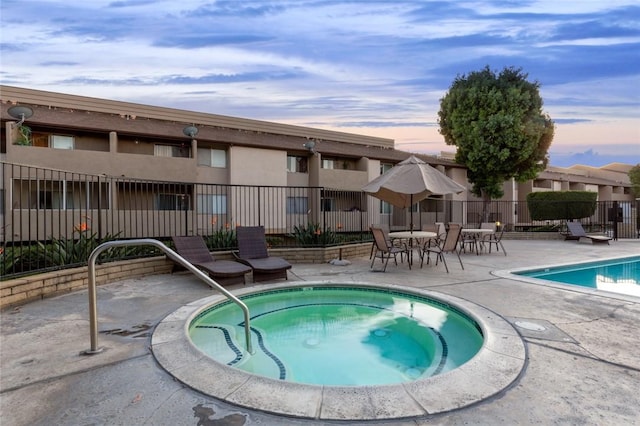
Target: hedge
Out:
[565,205]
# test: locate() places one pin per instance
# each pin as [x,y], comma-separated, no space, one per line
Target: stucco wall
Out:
[251,166]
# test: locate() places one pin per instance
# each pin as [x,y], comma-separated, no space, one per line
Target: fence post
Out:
[615,221]
[99,211]
[259,206]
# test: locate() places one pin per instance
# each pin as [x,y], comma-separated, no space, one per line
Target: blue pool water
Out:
[347,336]
[620,275]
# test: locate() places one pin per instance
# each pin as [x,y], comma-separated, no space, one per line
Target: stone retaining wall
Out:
[19,291]
[25,289]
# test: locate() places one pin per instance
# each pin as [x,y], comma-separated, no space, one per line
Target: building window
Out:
[171,201]
[435,203]
[328,205]
[212,157]
[212,204]
[181,151]
[40,139]
[328,164]
[297,164]
[385,168]
[60,195]
[48,140]
[86,195]
[61,142]
[385,208]
[297,205]
[49,195]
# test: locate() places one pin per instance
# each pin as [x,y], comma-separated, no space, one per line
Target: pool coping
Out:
[498,364]
[513,274]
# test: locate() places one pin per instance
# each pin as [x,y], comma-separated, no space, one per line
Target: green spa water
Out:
[339,335]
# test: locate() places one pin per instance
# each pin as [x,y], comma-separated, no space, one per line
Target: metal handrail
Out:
[93,304]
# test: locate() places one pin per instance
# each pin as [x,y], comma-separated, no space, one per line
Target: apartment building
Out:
[290,174]
[104,140]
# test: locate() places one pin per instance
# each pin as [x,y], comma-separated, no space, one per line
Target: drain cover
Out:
[530,326]
[537,328]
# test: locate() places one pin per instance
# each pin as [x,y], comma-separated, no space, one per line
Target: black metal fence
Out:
[52,219]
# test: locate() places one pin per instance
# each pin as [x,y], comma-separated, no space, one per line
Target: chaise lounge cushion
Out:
[269,264]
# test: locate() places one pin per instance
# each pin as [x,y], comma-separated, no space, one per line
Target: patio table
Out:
[476,234]
[411,237]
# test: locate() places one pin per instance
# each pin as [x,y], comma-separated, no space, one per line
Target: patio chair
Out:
[385,230]
[470,241]
[442,230]
[432,227]
[448,245]
[484,237]
[577,231]
[495,238]
[384,250]
[252,251]
[194,249]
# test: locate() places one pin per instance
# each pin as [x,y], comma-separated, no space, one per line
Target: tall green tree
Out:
[497,124]
[634,177]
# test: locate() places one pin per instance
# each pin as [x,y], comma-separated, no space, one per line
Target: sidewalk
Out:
[583,368]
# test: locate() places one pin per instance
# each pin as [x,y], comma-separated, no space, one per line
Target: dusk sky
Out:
[376,68]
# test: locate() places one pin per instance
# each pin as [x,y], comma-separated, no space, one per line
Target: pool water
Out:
[350,336]
[620,275]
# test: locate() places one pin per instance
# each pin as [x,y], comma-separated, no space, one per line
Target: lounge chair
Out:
[577,231]
[194,249]
[252,251]
[448,245]
[386,251]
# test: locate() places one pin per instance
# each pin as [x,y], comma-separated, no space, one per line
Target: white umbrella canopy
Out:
[411,181]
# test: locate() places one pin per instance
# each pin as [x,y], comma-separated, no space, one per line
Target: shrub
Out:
[223,237]
[66,252]
[313,235]
[24,135]
[73,251]
[8,260]
[564,205]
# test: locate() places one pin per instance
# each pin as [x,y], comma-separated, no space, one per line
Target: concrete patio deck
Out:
[582,368]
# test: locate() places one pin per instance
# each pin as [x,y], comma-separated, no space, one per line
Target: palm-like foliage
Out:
[313,235]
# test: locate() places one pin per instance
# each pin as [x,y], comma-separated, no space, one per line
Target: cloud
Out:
[571,120]
[379,67]
[595,156]
[385,124]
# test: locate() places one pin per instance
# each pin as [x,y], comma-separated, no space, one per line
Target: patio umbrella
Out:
[409,182]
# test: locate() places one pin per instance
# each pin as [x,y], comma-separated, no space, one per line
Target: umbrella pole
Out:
[411,209]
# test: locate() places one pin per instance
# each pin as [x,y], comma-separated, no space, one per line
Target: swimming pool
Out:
[497,365]
[617,275]
[340,335]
